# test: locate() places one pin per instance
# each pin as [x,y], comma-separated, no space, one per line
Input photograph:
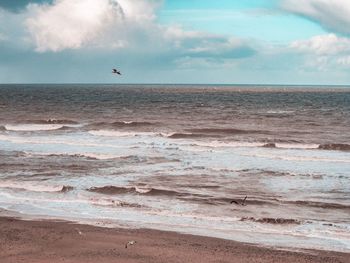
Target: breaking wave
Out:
[52,121]
[226,131]
[115,190]
[33,127]
[335,146]
[91,156]
[186,196]
[188,135]
[35,187]
[118,124]
[293,146]
[112,203]
[330,146]
[112,133]
[267,220]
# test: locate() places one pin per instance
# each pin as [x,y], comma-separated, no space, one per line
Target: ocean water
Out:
[182,158]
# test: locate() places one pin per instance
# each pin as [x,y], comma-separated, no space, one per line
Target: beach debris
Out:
[240,202]
[115,71]
[130,243]
[79,232]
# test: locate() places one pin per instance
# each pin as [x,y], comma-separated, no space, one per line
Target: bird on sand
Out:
[130,243]
[115,71]
[79,232]
[240,202]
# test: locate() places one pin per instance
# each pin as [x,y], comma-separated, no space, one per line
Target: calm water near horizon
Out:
[173,157]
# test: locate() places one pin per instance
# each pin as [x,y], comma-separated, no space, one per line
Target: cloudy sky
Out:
[175,41]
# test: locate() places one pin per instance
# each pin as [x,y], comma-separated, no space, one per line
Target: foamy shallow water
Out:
[181,171]
[197,181]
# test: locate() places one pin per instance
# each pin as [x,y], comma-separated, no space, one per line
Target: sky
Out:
[297,42]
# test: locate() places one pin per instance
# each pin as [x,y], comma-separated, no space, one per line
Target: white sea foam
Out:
[31,186]
[218,144]
[280,112]
[233,144]
[97,156]
[170,134]
[97,208]
[297,146]
[33,127]
[110,133]
[142,190]
[299,158]
[60,141]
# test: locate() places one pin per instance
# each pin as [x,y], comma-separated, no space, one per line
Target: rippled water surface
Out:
[182,158]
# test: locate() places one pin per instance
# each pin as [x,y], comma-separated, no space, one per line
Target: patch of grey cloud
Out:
[18,5]
[332,15]
[211,48]
[242,51]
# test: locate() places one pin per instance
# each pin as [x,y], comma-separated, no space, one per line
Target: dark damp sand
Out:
[48,241]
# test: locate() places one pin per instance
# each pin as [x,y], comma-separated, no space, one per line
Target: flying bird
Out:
[115,71]
[240,202]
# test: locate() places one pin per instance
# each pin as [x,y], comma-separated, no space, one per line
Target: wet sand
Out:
[49,241]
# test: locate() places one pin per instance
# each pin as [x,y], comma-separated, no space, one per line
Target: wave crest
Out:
[34,187]
[188,135]
[226,131]
[267,220]
[115,190]
[113,133]
[52,121]
[118,124]
[335,147]
[33,127]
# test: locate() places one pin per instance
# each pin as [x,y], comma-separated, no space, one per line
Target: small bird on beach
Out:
[79,232]
[115,71]
[239,202]
[130,243]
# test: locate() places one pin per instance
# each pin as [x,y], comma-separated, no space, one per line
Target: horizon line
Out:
[180,84]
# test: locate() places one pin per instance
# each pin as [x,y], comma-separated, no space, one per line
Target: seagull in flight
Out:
[115,71]
[240,202]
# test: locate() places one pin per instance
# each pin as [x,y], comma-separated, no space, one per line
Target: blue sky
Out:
[175,41]
[258,19]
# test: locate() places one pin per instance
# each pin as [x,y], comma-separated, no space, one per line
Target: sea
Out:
[268,165]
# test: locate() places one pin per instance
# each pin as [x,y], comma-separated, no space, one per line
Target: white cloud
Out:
[76,23]
[324,51]
[324,45]
[128,24]
[139,10]
[345,61]
[334,15]
[327,51]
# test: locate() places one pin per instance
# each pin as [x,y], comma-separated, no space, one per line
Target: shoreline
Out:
[64,241]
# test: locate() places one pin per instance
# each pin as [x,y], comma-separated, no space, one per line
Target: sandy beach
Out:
[49,241]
